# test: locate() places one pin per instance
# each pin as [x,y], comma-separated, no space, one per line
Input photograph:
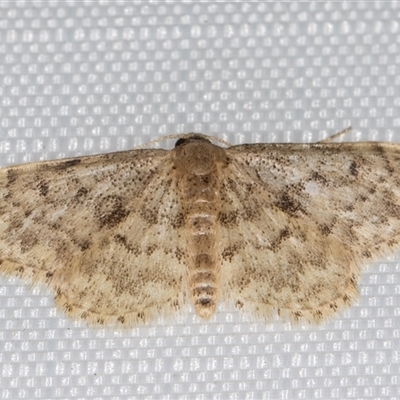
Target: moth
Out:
[270,229]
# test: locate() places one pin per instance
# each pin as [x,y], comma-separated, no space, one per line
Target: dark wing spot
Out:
[109,210]
[353,168]
[229,252]
[43,188]
[28,241]
[11,177]
[82,244]
[239,304]
[122,240]
[177,221]
[81,194]
[316,176]
[283,235]
[290,205]
[63,165]
[325,229]
[228,219]
[149,215]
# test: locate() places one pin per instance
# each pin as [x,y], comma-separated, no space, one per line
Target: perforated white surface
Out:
[88,77]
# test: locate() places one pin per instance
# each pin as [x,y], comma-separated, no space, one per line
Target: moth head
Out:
[191,137]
